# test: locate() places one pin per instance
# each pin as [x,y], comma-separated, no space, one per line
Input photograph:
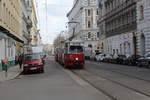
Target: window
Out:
[89,12]
[89,24]
[89,2]
[89,35]
[90,45]
[98,35]
[75,49]
[28,3]
[141,12]
[28,17]
[97,12]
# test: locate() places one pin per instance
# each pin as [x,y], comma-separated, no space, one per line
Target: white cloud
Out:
[57,10]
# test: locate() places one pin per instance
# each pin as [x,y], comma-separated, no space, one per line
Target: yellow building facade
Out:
[10,16]
[34,25]
[10,30]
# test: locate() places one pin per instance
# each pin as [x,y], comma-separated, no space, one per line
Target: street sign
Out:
[6,61]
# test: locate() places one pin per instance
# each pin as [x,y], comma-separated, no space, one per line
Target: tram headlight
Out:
[77,58]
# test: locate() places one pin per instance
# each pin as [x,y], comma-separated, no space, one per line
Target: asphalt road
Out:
[56,83]
[119,82]
[98,81]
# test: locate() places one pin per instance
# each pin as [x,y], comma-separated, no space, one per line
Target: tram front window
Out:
[76,49]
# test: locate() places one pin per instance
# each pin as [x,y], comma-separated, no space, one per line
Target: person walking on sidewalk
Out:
[20,60]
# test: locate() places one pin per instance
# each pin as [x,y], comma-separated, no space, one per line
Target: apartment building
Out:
[34,30]
[26,21]
[10,30]
[83,23]
[143,27]
[117,23]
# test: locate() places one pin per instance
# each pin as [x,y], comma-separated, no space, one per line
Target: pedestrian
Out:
[20,60]
[3,68]
[16,59]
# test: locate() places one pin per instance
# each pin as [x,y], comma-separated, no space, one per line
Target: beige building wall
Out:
[10,16]
[34,25]
[39,41]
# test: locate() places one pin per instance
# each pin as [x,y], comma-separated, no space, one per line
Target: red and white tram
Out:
[71,54]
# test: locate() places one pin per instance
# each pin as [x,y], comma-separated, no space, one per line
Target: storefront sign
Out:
[125,40]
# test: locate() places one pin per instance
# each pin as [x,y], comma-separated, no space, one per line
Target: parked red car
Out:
[33,63]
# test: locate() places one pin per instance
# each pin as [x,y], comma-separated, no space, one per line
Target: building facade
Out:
[39,41]
[26,21]
[83,23]
[34,30]
[10,30]
[117,24]
[101,25]
[143,26]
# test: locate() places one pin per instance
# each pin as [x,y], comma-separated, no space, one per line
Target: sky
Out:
[56,18]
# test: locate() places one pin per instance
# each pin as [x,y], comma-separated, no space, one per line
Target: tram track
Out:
[99,89]
[110,80]
[124,74]
[119,83]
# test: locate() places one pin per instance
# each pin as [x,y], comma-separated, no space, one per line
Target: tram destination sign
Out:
[76,43]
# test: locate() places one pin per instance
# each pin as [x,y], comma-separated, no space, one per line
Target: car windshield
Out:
[32,57]
[42,55]
[135,56]
[148,55]
[76,49]
[122,56]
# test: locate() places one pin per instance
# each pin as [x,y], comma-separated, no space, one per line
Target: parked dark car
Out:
[120,59]
[114,58]
[133,60]
[144,61]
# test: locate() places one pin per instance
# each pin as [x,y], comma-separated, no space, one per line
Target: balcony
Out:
[29,24]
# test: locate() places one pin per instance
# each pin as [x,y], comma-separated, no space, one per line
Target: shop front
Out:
[7,49]
[122,44]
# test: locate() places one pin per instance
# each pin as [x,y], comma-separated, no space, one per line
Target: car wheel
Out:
[65,66]
[42,71]
[25,72]
[148,66]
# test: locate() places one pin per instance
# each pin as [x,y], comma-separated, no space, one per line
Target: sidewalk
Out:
[12,73]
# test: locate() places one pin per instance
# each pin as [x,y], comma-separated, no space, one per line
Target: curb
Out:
[13,77]
[17,75]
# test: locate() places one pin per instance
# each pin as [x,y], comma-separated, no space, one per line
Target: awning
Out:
[4,33]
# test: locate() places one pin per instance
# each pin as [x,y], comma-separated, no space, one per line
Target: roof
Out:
[72,8]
